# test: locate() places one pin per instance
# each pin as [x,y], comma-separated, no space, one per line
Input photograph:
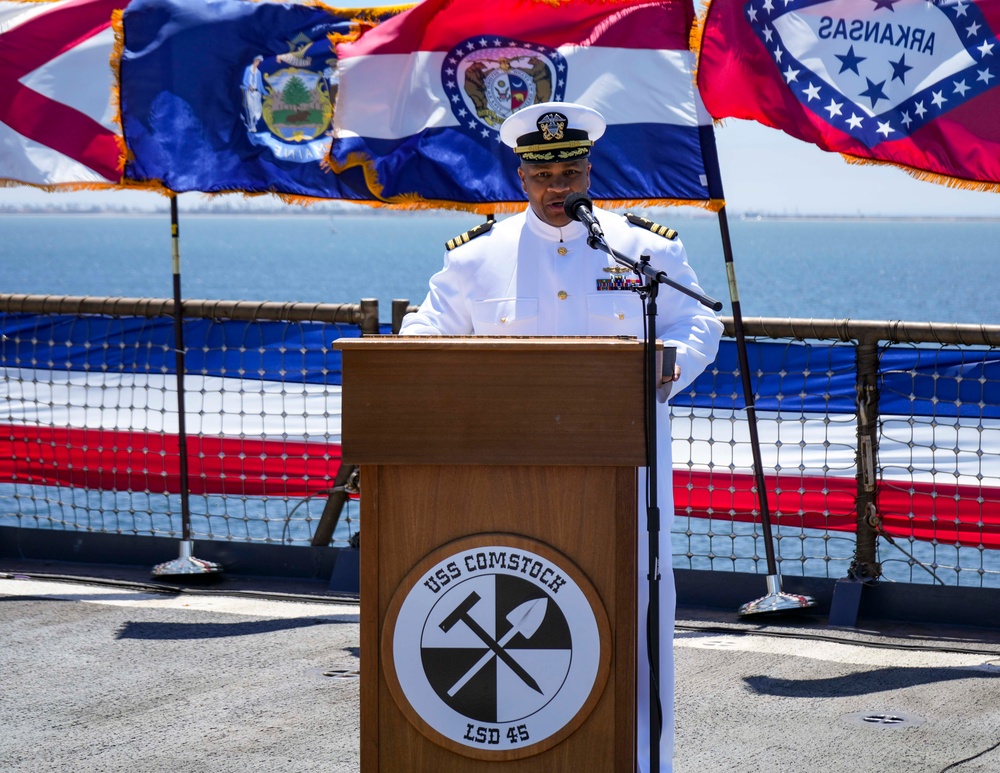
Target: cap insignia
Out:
[552,126]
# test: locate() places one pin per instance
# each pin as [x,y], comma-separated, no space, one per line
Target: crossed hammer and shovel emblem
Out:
[525,619]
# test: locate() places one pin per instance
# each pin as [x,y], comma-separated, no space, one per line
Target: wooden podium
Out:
[498,579]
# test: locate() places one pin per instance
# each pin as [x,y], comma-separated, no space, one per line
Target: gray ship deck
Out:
[108,674]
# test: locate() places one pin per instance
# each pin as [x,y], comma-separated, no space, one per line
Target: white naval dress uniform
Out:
[525,277]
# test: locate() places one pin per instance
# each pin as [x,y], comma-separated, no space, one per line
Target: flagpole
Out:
[186,563]
[775,600]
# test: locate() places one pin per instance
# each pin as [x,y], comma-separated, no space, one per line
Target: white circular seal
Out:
[496,646]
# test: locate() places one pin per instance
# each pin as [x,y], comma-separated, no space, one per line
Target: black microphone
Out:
[578,207]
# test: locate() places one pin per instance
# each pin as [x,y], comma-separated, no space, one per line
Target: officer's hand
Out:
[666,380]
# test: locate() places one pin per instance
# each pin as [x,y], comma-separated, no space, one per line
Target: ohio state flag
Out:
[905,82]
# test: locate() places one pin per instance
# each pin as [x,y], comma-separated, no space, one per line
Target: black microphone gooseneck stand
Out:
[648,291]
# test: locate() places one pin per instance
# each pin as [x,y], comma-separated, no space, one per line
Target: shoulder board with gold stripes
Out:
[649,225]
[468,236]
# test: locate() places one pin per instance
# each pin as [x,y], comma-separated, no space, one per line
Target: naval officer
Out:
[534,274]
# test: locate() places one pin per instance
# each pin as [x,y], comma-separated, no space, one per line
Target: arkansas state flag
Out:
[906,82]
[231,95]
[57,125]
[422,97]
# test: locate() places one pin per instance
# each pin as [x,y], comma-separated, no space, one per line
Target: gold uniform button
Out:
[503,320]
[621,315]
[563,295]
[562,250]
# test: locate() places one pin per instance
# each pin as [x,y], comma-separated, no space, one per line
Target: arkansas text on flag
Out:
[231,95]
[422,97]
[907,82]
[57,125]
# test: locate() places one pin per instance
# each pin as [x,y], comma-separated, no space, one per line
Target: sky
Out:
[763,170]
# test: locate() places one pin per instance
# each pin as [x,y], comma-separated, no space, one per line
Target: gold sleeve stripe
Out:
[649,225]
[469,235]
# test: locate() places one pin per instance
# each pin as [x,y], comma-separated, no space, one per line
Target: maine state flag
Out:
[231,95]
[423,94]
[906,82]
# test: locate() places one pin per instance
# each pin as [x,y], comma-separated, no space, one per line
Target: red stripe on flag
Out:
[436,25]
[946,513]
[137,461]
[60,127]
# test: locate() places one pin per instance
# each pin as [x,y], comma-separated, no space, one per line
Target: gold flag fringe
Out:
[698,27]
[414,201]
[928,176]
[60,187]
[695,39]
[117,51]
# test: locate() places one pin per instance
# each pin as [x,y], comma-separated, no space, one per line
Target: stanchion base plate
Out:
[185,565]
[776,602]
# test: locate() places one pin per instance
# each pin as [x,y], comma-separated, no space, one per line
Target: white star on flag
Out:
[904,82]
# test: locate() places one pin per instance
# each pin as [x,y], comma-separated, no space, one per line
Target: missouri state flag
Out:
[57,127]
[422,97]
[233,95]
[905,82]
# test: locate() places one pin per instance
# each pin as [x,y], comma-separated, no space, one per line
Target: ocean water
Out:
[912,270]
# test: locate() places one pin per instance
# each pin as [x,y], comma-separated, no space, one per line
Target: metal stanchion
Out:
[775,600]
[185,564]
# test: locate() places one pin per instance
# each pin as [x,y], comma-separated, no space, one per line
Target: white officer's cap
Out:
[552,131]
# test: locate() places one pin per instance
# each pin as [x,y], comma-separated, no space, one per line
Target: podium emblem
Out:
[496,647]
